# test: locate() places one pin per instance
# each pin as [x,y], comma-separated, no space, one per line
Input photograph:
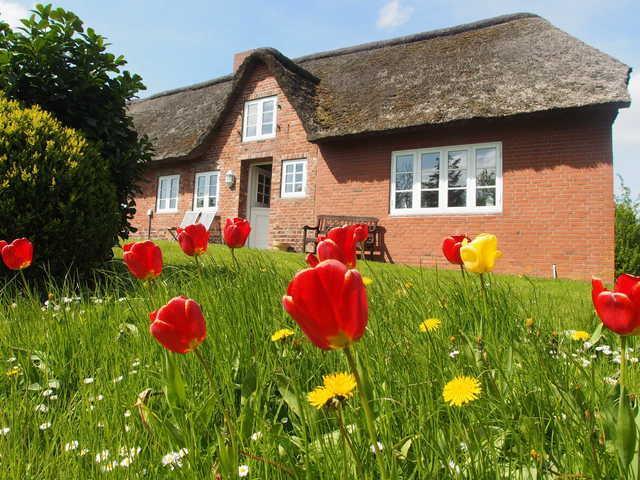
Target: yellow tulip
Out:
[480,255]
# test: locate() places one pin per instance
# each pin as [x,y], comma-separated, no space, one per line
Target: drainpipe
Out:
[554,271]
[150,215]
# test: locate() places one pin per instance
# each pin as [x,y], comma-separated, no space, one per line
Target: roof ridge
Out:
[417,37]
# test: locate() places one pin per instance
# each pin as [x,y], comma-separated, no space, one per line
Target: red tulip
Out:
[329,302]
[17,254]
[619,310]
[236,232]
[193,239]
[144,259]
[179,326]
[339,244]
[451,248]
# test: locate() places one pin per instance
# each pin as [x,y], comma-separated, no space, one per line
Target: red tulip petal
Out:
[127,246]
[354,307]
[306,323]
[597,288]
[186,244]
[312,260]
[617,313]
[328,249]
[629,285]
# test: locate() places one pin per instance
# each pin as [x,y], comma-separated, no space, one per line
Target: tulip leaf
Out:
[290,398]
[595,336]
[625,438]
[174,387]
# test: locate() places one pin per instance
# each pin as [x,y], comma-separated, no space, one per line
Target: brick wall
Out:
[557,197]
[557,174]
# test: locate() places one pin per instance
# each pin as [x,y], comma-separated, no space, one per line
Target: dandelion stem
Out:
[347,439]
[373,437]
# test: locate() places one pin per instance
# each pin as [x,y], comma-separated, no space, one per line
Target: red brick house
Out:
[502,125]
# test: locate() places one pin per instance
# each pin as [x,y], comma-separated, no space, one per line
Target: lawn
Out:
[82,388]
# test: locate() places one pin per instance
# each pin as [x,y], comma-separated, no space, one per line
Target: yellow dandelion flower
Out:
[13,371]
[580,336]
[340,384]
[430,325]
[461,390]
[281,334]
[337,387]
[529,322]
[319,397]
[367,281]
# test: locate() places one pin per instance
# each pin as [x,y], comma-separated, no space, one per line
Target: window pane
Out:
[267,107]
[404,181]
[163,189]
[174,188]
[430,178]
[200,203]
[404,163]
[213,185]
[486,176]
[288,187]
[172,203]
[457,159]
[457,198]
[162,204]
[403,199]
[457,178]
[299,167]
[200,189]
[430,161]
[212,201]
[298,178]
[267,128]
[429,199]
[251,130]
[298,187]
[486,197]
[288,178]
[486,158]
[267,117]
[289,168]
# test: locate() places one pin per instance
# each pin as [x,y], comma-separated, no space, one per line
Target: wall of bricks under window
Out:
[558,202]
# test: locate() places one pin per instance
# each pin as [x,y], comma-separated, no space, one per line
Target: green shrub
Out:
[627,234]
[55,190]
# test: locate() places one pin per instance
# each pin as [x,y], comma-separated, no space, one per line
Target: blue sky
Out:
[173,44]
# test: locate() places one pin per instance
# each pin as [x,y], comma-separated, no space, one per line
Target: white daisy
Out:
[72,445]
[88,380]
[44,426]
[243,470]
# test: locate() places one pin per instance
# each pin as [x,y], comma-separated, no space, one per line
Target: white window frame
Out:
[167,209]
[442,209]
[206,206]
[259,115]
[294,194]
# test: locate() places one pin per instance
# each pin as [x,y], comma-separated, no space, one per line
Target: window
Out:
[205,195]
[259,119]
[294,178]
[168,189]
[457,179]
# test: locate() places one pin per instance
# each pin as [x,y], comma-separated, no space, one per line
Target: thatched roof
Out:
[499,67]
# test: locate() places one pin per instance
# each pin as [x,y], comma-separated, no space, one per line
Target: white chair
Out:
[207,218]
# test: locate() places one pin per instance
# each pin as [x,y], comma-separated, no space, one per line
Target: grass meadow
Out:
[82,382]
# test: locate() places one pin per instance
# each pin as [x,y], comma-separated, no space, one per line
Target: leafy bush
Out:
[627,234]
[54,63]
[55,190]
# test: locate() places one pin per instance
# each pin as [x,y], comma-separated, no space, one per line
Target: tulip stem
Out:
[373,437]
[198,265]
[235,260]
[347,439]
[206,367]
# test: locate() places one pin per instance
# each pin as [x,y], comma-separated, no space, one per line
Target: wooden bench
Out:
[372,245]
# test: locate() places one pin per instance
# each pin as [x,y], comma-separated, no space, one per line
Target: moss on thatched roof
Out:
[499,67]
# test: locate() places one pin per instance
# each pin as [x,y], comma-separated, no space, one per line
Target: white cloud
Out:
[393,14]
[12,13]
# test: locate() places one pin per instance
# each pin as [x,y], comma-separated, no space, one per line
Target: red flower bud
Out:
[17,254]
[194,239]
[236,232]
[143,259]
[619,310]
[329,302]
[451,248]
[179,326]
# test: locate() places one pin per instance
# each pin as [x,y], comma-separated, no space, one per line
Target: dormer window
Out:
[259,119]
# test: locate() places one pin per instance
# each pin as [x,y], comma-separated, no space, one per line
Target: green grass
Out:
[553,403]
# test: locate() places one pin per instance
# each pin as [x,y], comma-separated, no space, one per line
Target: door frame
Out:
[252,189]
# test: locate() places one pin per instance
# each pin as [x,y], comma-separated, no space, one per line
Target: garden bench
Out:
[372,245]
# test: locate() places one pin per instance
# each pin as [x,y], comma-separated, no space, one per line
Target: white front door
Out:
[259,202]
